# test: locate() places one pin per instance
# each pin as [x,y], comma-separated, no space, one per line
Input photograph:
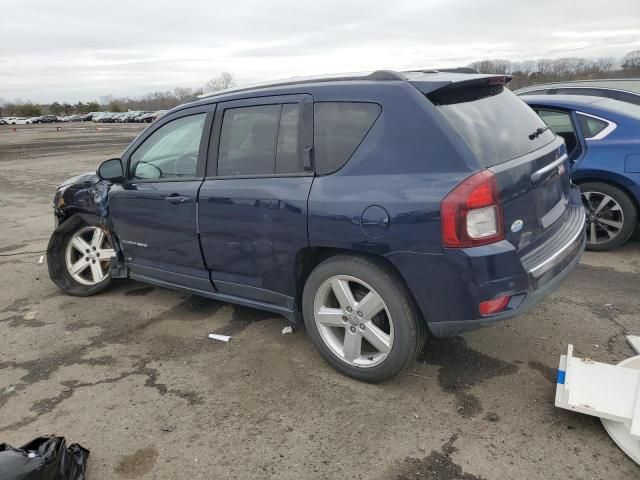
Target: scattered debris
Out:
[491,417]
[610,392]
[43,458]
[41,261]
[10,389]
[170,428]
[222,338]
[30,315]
[634,341]
[416,375]
[287,330]
[608,305]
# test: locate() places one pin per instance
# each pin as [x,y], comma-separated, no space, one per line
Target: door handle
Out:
[176,199]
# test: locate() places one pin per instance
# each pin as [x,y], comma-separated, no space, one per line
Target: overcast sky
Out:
[70,50]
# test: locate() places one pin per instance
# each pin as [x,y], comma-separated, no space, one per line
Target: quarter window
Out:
[171,152]
[591,126]
[339,127]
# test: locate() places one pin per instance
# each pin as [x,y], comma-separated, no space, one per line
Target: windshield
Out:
[495,124]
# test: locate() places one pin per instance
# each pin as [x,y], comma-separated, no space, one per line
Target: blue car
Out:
[376,209]
[603,143]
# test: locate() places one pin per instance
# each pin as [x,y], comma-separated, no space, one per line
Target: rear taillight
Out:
[472,213]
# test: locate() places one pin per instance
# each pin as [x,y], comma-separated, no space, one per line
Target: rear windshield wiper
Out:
[538,132]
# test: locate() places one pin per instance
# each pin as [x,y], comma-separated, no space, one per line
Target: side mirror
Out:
[111,170]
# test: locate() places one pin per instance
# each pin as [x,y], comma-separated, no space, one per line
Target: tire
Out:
[618,211]
[64,252]
[397,331]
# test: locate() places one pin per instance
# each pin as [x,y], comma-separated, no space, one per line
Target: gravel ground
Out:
[131,375]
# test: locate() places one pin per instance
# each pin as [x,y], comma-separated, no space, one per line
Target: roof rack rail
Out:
[446,70]
[378,75]
[386,75]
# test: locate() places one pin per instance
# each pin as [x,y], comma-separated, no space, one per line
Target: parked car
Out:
[150,117]
[376,208]
[46,119]
[603,143]
[17,121]
[623,89]
[33,120]
[3,121]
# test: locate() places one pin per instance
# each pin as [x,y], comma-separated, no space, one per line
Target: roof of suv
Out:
[426,80]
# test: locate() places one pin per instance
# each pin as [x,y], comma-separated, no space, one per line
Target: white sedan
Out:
[18,121]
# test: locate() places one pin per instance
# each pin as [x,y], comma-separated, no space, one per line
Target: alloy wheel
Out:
[353,321]
[604,217]
[88,255]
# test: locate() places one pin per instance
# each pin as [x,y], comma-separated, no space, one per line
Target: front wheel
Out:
[80,262]
[361,319]
[611,216]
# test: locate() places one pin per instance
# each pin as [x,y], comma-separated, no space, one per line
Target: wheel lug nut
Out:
[349,309]
[344,318]
[87,251]
[353,329]
[97,254]
[93,261]
[359,313]
[86,258]
[362,326]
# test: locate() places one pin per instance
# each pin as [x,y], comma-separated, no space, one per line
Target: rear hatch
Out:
[507,137]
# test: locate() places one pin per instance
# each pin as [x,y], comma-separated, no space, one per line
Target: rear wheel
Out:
[361,319]
[611,216]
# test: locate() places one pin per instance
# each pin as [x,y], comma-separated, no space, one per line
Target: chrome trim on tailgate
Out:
[560,251]
[535,176]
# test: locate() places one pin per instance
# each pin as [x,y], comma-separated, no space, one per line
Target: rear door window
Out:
[248,140]
[493,122]
[260,140]
[287,151]
[561,124]
[339,127]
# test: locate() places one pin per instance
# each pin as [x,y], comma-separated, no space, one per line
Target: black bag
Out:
[43,458]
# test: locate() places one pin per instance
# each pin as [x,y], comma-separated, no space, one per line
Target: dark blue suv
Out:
[374,208]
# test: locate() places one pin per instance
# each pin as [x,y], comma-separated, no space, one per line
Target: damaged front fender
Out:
[82,194]
[84,200]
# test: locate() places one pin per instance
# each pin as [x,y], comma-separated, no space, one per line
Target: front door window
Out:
[171,152]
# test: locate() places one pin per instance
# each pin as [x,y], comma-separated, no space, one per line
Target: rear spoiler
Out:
[463,80]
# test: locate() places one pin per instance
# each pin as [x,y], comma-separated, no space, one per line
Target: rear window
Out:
[339,127]
[494,123]
[623,108]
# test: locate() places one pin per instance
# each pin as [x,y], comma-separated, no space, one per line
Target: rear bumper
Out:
[532,298]
[449,287]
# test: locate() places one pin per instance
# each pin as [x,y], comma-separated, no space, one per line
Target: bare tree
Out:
[606,64]
[106,99]
[183,93]
[631,61]
[221,82]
